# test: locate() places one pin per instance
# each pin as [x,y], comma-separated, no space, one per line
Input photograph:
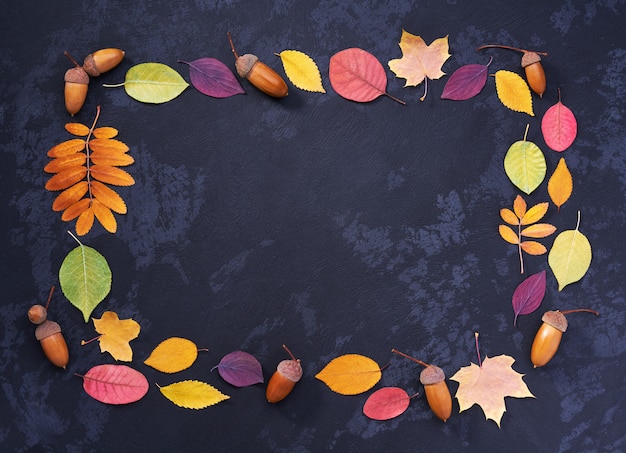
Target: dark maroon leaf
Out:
[240,369]
[466,82]
[528,295]
[213,78]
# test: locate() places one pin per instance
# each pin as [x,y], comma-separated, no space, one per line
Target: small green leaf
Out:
[153,83]
[525,165]
[85,278]
[570,256]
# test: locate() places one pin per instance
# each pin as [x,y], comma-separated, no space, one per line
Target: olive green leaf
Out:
[525,165]
[85,278]
[153,83]
[570,256]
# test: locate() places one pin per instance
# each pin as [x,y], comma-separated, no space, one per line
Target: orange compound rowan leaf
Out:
[105,132]
[533,247]
[65,163]
[68,147]
[108,197]
[85,221]
[509,216]
[111,175]
[538,230]
[66,178]
[519,206]
[350,374]
[115,159]
[107,145]
[70,196]
[77,129]
[104,216]
[76,209]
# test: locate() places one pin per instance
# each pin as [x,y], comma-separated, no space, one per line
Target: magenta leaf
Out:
[213,78]
[528,295]
[115,384]
[559,127]
[386,403]
[466,82]
[240,369]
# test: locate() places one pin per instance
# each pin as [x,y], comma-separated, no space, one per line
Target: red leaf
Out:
[213,78]
[386,403]
[115,384]
[466,82]
[240,369]
[357,75]
[528,295]
[559,127]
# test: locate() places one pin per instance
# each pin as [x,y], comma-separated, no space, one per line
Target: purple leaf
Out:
[240,369]
[213,78]
[466,82]
[528,295]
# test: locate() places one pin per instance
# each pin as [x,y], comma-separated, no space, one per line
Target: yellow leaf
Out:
[508,234]
[420,61]
[173,355]
[350,374]
[509,216]
[533,247]
[193,394]
[570,256]
[539,230]
[519,206]
[534,214]
[513,92]
[116,335]
[302,70]
[560,184]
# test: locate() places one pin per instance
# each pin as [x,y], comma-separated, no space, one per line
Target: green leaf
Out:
[570,256]
[85,278]
[525,165]
[153,83]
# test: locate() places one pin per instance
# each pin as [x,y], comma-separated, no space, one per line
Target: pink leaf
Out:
[115,384]
[386,403]
[466,82]
[559,127]
[528,295]
[213,78]
[240,369]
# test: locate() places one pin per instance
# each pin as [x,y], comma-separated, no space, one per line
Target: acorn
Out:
[282,382]
[548,337]
[52,342]
[37,314]
[76,85]
[102,60]
[259,74]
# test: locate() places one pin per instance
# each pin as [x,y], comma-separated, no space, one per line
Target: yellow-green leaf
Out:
[350,374]
[513,92]
[525,165]
[193,394]
[560,184]
[302,71]
[570,256]
[173,355]
[153,83]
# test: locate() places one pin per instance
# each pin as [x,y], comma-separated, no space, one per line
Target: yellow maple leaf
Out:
[192,394]
[350,374]
[419,61]
[173,355]
[116,334]
[513,92]
[302,70]
[488,384]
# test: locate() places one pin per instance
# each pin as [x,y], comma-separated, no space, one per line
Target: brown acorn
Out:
[37,314]
[76,85]
[52,342]
[259,74]
[287,373]
[102,60]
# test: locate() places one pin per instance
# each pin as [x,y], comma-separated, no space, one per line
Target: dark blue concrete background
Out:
[330,226]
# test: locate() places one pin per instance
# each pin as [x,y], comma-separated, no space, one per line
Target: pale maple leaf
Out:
[487,385]
[116,335]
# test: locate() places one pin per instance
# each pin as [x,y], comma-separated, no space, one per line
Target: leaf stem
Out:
[519,246]
[394,98]
[75,238]
[425,89]
[83,342]
[395,351]
[114,85]
[480,362]
[526,131]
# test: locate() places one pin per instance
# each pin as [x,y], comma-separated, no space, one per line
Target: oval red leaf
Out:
[528,295]
[465,83]
[559,127]
[386,403]
[240,369]
[357,75]
[212,77]
[115,384]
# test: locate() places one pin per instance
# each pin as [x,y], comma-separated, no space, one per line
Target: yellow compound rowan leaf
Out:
[302,70]
[513,92]
[192,394]
[350,374]
[173,355]
[560,184]
[116,335]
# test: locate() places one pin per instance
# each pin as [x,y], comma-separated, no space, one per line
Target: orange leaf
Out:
[84,222]
[68,147]
[105,132]
[534,214]
[65,162]
[538,230]
[350,374]
[114,158]
[509,216]
[70,196]
[112,175]
[77,129]
[107,145]
[104,216]
[66,178]
[116,335]
[560,184]
[108,197]
[519,206]
[76,209]
[533,248]
[508,234]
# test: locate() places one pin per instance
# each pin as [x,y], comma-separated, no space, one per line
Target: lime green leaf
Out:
[153,83]
[570,256]
[525,165]
[85,278]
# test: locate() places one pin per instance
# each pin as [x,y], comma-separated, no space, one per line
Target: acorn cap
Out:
[46,329]
[556,319]
[291,369]
[244,64]
[529,58]
[89,65]
[432,375]
[77,75]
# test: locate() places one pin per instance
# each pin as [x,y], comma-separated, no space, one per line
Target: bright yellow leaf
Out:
[560,184]
[302,71]
[193,394]
[513,92]
[173,355]
[116,335]
[509,216]
[350,374]
[535,213]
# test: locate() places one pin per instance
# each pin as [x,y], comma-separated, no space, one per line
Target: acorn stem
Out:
[395,351]
[232,46]
[293,357]
[71,58]
[510,48]
[577,310]
[49,297]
